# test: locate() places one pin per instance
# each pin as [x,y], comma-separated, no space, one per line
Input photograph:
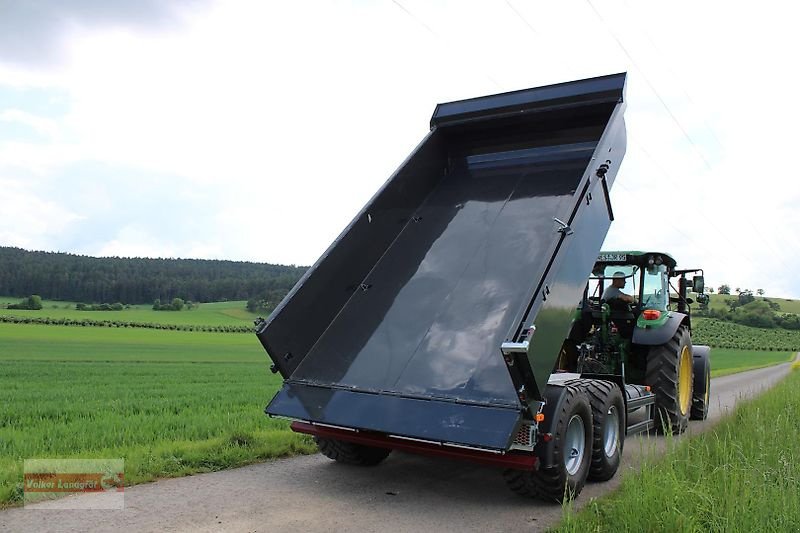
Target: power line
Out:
[674,75]
[651,86]
[523,19]
[417,19]
[708,221]
[430,30]
[682,129]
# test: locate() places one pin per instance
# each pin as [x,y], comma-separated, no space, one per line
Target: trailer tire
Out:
[351,453]
[670,374]
[701,395]
[608,421]
[572,438]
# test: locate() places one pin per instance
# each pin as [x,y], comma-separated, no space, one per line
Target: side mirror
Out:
[703,299]
[698,284]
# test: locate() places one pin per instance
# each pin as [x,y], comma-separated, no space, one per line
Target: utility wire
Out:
[523,19]
[673,74]
[708,221]
[685,134]
[430,30]
[417,19]
[651,86]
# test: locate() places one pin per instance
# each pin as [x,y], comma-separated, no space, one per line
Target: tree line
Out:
[70,277]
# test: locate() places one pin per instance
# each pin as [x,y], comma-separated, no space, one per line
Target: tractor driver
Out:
[613,291]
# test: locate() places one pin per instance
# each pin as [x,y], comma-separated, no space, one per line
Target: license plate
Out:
[612,258]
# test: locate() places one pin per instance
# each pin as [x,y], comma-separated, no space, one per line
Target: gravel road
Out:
[404,494]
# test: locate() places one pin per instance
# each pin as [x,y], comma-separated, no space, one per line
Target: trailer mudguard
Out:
[497,215]
[553,398]
[661,334]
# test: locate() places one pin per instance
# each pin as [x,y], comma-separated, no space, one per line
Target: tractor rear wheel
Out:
[670,374]
[350,453]
[608,421]
[702,383]
[572,443]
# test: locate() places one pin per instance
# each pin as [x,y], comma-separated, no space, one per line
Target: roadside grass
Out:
[233,313]
[169,403]
[724,362]
[742,476]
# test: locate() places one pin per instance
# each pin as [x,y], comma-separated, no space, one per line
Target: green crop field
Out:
[742,477]
[232,313]
[721,334]
[169,403]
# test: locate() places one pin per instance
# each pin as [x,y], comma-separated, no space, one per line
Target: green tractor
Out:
[634,326]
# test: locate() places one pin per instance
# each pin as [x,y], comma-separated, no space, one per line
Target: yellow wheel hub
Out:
[685,381]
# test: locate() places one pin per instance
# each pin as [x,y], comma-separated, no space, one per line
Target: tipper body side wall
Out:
[397,328]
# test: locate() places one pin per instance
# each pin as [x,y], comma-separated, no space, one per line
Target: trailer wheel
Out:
[608,421]
[572,438]
[350,453]
[670,374]
[702,383]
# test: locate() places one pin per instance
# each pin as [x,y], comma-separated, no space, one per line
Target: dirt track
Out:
[311,493]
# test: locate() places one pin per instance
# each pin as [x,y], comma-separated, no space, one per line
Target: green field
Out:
[169,403]
[744,476]
[208,314]
[722,334]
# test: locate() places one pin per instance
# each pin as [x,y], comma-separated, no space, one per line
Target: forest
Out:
[78,278]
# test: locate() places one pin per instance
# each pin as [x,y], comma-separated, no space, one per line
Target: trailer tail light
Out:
[651,314]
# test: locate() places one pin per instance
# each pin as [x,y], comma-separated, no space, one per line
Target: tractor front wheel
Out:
[670,374]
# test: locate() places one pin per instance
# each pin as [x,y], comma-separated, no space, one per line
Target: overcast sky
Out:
[256,130]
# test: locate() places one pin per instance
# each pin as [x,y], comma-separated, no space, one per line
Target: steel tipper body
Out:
[435,319]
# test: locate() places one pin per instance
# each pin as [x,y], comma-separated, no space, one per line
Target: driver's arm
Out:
[626,298]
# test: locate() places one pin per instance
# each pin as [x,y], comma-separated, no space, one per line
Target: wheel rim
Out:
[611,432]
[575,444]
[685,380]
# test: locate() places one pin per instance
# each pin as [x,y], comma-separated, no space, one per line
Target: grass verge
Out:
[744,476]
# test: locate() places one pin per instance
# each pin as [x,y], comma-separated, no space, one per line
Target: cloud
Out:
[30,221]
[256,130]
[34,33]
[43,126]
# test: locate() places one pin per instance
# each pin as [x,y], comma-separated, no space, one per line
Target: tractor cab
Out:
[631,302]
[641,275]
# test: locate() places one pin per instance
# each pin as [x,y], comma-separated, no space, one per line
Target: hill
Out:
[786,305]
[79,278]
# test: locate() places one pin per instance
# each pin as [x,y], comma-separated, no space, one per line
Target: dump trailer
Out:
[435,323]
